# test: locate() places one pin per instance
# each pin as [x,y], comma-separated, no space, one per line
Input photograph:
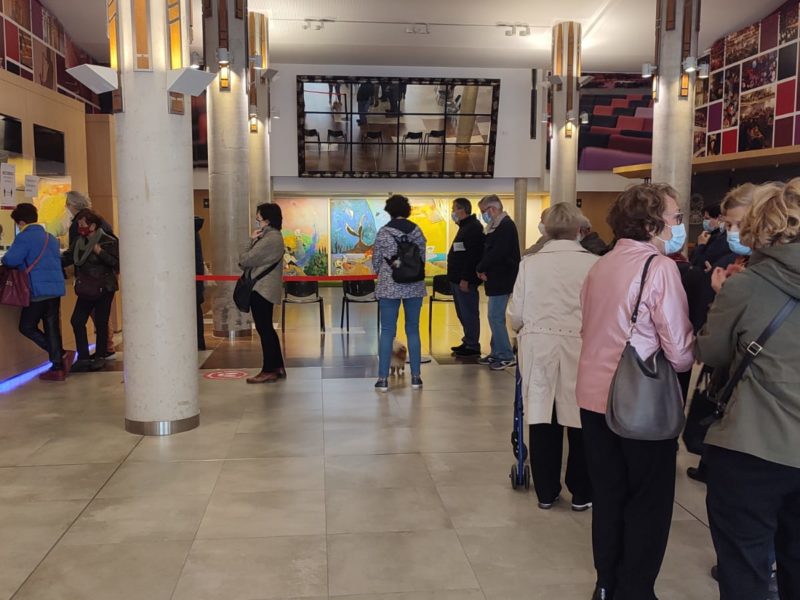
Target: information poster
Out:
[52,204]
[8,185]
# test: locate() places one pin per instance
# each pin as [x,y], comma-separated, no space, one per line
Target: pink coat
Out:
[607,300]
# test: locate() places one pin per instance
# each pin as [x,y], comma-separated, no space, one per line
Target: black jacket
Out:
[466,251]
[716,249]
[594,244]
[199,264]
[501,258]
[103,266]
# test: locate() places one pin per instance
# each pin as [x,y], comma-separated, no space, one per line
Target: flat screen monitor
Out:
[10,137]
[48,148]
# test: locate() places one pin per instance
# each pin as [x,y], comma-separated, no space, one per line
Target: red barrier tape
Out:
[293,277]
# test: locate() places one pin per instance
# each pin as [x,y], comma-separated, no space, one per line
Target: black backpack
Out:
[407,265]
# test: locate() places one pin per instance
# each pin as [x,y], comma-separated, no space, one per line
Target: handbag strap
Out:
[266,272]
[635,313]
[41,254]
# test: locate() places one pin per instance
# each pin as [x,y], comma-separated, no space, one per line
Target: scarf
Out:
[495,223]
[85,246]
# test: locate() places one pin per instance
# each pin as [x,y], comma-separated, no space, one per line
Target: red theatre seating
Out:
[606,111]
[634,123]
[630,144]
[619,103]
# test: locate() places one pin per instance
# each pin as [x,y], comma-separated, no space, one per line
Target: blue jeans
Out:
[390,309]
[501,345]
[468,311]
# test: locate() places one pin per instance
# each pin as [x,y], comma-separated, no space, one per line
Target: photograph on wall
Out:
[701,118]
[713,144]
[717,60]
[19,11]
[760,71]
[44,67]
[699,143]
[431,216]
[25,49]
[787,62]
[788,16]
[305,236]
[53,31]
[701,87]
[742,44]
[757,119]
[716,86]
[354,225]
[730,111]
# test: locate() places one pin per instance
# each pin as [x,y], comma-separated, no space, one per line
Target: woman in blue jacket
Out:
[37,250]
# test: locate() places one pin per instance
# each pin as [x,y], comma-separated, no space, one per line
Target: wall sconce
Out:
[648,70]
[196,60]
[584,118]
[568,129]
[689,64]
[702,71]
[223,57]
[655,88]
[685,85]
[419,28]
[253,124]
[524,30]
[224,78]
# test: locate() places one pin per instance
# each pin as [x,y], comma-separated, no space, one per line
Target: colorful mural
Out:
[305,235]
[354,225]
[51,203]
[431,216]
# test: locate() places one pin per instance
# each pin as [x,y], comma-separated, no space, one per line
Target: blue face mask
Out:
[487,218]
[736,246]
[707,226]
[678,240]
[454,216]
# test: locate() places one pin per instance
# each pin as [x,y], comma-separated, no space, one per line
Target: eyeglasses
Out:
[677,217]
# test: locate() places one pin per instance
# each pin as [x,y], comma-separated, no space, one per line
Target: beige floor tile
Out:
[67,482]
[703,588]
[376,471]
[264,514]
[15,449]
[305,441]
[394,440]
[377,510]
[690,552]
[470,468]
[271,475]
[566,591]
[475,438]
[84,449]
[376,563]
[279,419]
[163,479]
[146,571]
[138,519]
[282,567]
[207,442]
[435,595]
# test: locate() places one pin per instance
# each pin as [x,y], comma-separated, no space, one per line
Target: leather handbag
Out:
[645,401]
[245,284]
[15,284]
[89,286]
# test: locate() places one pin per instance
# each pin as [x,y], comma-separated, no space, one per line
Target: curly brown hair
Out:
[774,216]
[638,213]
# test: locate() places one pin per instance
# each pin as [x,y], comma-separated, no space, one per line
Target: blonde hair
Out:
[741,195]
[562,221]
[774,216]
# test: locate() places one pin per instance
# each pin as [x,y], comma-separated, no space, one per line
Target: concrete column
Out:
[154,176]
[228,161]
[566,105]
[466,123]
[521,209]
[673,116]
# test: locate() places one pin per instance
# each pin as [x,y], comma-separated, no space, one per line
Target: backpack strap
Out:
[41,254]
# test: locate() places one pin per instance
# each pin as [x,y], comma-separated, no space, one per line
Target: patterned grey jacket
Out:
[264,252]
[386,247]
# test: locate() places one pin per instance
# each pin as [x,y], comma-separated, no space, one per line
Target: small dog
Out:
[399,354]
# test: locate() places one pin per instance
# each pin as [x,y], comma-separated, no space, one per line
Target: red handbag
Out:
[15,284]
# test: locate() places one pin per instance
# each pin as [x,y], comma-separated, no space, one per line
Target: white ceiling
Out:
[618,34]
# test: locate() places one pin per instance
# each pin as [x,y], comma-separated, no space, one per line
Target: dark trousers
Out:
[547,447]
[468,311]
[261,310]
[84,307]
[751,504]
[633,484]
[363,109]
[48,313]
[201,328]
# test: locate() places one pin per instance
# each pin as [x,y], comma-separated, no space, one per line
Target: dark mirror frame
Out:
[396,173]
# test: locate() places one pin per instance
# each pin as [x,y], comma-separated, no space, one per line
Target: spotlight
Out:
[419,28]
[223,57]
[702,71]
[584,118]
[584,80]
[196,59]
[555,79]
[648,70]
[524,30]
[511,29]
[689,64]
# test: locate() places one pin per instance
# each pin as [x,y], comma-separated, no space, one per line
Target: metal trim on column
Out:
[162,427]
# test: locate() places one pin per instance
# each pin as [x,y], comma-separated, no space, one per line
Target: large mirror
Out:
[396,127]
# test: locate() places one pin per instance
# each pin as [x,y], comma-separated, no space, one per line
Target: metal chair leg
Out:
[283,317]
[430,317]
[321,316]
[341,320]
[347,312]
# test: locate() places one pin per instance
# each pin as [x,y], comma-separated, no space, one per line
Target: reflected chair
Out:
[373,137]
[413,135]
[336,134]
[436,134]
[311,133]
[302,292]
[455,105]
[358,292]
[441,293]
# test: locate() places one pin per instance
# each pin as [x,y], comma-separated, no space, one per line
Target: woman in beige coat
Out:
[545,312]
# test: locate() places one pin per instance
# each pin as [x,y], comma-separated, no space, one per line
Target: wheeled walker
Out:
[520,471]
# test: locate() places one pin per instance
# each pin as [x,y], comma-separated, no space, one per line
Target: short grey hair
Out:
[491,200]
[585,223]
[78,201]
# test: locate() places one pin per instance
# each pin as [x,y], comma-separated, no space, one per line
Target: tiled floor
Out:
[316,487]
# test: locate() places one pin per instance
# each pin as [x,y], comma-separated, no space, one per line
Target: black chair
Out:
[436,134]
[359,292]
[604,121]
[336,134]
[310,133]
[302,292]
[441,292]
[412,135]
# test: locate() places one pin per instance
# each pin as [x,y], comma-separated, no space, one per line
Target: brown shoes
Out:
[53,375]
[264,378]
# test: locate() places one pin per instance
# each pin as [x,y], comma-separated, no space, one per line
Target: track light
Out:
[418,28]
[555,79]
[584,118]
[524,30]
[196,59]
[648,70]
[223,57]
[316,24]
[584,80]
[689,64]
[511,31]
[702,71]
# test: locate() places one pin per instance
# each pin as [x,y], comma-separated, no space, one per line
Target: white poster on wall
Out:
[8,185]
[31,186]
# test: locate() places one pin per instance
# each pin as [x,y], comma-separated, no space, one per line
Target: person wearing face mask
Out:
[543,239]
[462,260]
[734,207]
[633,481]
[266,253]
[498,270]
[95,255]
[712,244]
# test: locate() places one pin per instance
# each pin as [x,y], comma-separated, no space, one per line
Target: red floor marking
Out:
[226,374]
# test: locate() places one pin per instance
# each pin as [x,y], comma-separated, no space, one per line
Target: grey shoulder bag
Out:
[645,401]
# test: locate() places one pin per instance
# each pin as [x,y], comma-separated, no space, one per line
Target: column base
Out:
[162,427]
[234,335]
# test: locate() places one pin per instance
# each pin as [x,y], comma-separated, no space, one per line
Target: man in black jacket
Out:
[462,262]
[498,269]
[712,245]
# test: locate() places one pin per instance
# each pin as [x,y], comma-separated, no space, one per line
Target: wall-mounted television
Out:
[48,149]
[10,137]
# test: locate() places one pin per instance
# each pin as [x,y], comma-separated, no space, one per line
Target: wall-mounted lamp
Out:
[225,78]
[648,70]
[419,28]
[253,119]
[223,57]
[584,118]
[511,30]
[555,79]
[569,128]
[196,60]
[524,29]
[584,81]
[702,71]
[689,64]
[316,24]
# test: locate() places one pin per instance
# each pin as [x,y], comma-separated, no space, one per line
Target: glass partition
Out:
[393,127]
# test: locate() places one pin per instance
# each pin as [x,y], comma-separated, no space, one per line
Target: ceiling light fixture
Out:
[524,29]
[702,71]
[316,24]
[689,64]
[418,28]
[223,57]
[584,80]
[196,59]
[648,70]
[511,30]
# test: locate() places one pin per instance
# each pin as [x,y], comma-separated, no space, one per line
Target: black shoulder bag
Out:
[245,284]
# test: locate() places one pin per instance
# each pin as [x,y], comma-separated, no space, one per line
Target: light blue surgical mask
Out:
[454,216]
[736,246]
[707,226]
[487,218]
[675,244]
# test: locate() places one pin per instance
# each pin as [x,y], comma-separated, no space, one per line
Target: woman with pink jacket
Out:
[633,480]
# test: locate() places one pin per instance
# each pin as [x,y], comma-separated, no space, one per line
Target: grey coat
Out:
[264,252]
[386,247]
